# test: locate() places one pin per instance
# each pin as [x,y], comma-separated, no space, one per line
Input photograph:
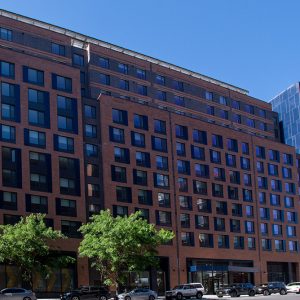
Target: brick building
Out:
[87,125]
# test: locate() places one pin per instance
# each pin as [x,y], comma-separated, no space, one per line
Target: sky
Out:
[252,44]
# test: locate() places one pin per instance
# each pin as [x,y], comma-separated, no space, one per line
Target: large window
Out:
[61,83]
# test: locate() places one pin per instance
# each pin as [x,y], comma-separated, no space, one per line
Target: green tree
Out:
[25,245]
[117,245]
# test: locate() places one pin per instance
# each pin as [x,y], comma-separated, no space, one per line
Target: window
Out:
[116,135]
[217,141]
[159,144]
[266,244]
[199,187]
[217,190]
[291,231]
[280,245]
[262,182]
[70,228]
[260,167]
[90,130]
[235,225]
[142,159]
[93,190]
[10,102]
[206,240]
[199,136]
[67,114]
[204,205]
[183,167]
[8,200]
[264,228]
[185,202]
[178,100]
[5,34]
[277,229]
[292,217]
[8,133]
[262,113]
[264,213]
[247,195]
[262,126]
[276,185]
[7,69]
[124,84]
[104,62]
[161,95]
[163,218]
[237,118]
[69,176]
[249,108]
[163,199]
[34,138]
[247,179]
[104,79]
[260,152]
[66,207]
[288,202]
[202,170]
[123,194]
[140,122]
[78,60]
[274,155]
[208,95]
[63,143]
[118,174]
[223,241]
[251,243]
[119,116]
[141,89]
[275,200]
[122,68]
[215,156]
[221,207]
[144,213]
[197,152]
[249,211]
[232,145]
[187,239]
[219,174]
[119,210]
[138,139]
[90,111]
[183,184]
[230,160]
[122,155]
[160,79]
[262,197]
[223,114]
[245,163]
[233,193]
[237,210]
[92,170]
[162,163]
[181,132]
[58,49]
[8,112]
[288,159]
[36,204]
[139,177]
[91,150]
[290,187]
[238,242]
[286,173]
[141,74]
[161,180]
[178,85]
[245,148]
[201,222]
[33,76]
[293,246]
[61,83]
[160,126]
[145,197]
[222,100]
[235,104]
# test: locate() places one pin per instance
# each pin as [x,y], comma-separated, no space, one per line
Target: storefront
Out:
[217,273]
[282,271]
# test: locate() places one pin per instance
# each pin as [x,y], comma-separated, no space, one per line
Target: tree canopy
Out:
[25,245]
[117,245]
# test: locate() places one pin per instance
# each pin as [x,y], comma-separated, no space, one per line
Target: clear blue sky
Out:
[253,44]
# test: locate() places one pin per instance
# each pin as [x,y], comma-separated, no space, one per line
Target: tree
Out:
[117,245]
[25,245]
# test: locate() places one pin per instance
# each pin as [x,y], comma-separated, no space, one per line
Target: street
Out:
[271,297]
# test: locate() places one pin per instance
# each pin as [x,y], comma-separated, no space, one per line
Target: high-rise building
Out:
[287,105]
[87,125]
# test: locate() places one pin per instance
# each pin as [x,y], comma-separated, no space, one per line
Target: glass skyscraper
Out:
[287,105]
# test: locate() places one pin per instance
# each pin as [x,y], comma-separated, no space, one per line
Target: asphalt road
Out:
[261,297]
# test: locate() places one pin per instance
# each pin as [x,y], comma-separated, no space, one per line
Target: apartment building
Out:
[87,125]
